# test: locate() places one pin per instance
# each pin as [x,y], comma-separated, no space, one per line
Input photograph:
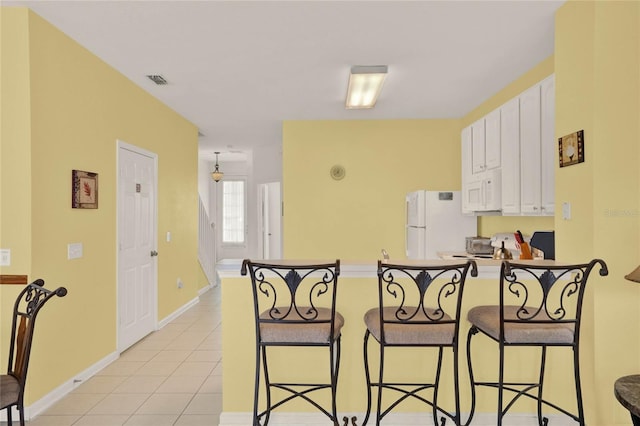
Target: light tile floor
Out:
[171,377]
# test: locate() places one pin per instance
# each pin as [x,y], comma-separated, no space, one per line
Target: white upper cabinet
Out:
[510,146]
[492,140]
[485,143]
[537,149]
[477,146]
[509,156]
[530,151]
[549,145]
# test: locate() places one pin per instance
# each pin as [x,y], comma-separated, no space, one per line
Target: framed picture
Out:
[84,190]
[571,148]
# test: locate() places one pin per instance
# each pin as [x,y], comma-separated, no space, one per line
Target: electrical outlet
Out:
[74,251]
[5,257]
[180,284]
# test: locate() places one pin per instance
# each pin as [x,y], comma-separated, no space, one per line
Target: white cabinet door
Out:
[510,146]
[466,168]
[492,142]
[548,146]
[477,146]
[491,190]
[530,151]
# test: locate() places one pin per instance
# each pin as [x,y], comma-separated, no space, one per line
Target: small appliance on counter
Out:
[478,245]
[545,242]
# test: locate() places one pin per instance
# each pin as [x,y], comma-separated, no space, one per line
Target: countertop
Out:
[487,268]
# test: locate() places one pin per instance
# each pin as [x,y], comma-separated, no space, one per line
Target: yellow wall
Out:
[597,61]
[356,217]
[66,111]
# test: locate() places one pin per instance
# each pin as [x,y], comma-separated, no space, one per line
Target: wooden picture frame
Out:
[571,149]
[84,190]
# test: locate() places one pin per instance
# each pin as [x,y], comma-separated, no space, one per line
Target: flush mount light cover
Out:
[365,84]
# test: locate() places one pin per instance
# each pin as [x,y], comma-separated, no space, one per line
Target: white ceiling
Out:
[237,69]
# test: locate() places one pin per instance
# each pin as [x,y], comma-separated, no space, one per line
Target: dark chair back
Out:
[535,295]
[422,295]
[294,294]
[25,310]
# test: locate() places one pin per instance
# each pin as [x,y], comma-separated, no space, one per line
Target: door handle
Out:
[154,253]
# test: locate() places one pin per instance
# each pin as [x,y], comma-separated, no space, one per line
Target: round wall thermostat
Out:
[337,172]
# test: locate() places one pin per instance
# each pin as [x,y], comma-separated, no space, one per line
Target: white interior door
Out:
[270,201]
[137,237]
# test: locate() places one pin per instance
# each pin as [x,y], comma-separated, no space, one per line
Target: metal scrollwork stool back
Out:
[419,306]
[27,305]
[295,305]
[540,306]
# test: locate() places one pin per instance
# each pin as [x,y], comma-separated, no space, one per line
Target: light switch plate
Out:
[566,210]
[5,257]
[74,251]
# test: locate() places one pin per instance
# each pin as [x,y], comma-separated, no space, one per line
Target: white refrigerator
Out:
[435,223]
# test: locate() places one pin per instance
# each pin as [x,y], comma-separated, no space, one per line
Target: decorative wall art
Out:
[571,148]
[84,190]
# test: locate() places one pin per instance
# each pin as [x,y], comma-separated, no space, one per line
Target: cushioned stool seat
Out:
[9,389]
[413,333]
[487,319]
[294,329]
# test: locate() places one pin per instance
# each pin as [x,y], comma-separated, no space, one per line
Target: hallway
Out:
[171,377]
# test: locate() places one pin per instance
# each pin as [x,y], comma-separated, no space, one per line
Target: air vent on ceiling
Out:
[157,79]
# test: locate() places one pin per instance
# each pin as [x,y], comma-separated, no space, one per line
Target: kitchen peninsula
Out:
[357,292]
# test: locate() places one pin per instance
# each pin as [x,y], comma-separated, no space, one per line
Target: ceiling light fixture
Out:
[217,175]
[365,84]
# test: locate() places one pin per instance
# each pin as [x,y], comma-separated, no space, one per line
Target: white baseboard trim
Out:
[205,289]
[39,406]
[181,310]
[393,419]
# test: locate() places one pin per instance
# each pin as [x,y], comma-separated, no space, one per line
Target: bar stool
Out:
[30,300]
[419,306]
[540,306]
[295,305]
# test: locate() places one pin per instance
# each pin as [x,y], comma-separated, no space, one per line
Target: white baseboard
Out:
[181,310]
[41,405]
[205,289]
[393,419]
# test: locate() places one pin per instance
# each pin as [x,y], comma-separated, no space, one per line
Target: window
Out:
[233,211]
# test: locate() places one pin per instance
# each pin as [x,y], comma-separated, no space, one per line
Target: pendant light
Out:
[217,175]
